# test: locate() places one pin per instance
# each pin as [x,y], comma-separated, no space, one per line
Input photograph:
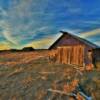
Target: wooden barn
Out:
[71,49]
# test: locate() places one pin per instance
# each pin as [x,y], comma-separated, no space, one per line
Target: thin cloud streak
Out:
[90,33]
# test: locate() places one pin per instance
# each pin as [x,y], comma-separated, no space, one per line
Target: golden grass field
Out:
[28,75]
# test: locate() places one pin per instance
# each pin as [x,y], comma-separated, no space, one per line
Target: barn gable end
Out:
[68,39]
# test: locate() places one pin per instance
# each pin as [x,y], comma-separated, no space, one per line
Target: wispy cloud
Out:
[73,7]
[93,36]
[4,45]
[3,12]
[91,22]
[9,38]
[97,43]
[6,32]
[45,42]
[90,33]
[30,21]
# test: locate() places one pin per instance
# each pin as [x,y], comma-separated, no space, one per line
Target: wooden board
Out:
[71,54]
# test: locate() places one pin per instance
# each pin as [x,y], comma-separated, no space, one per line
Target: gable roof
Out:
[76,37]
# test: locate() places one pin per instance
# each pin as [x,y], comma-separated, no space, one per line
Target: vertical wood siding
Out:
[71,55]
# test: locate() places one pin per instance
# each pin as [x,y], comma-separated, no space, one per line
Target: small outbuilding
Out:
[28,49]
[71,49]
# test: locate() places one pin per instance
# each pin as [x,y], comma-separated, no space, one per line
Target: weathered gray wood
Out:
[61,92]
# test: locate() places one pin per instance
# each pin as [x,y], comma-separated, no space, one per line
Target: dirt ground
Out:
[28,76]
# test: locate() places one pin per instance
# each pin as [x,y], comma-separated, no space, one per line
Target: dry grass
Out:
[98,66]
[15,72]
[28,75]
[27,82]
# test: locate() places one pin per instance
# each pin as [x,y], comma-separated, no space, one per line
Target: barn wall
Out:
[71,54]
[86,58]
[96,58]
[96,54]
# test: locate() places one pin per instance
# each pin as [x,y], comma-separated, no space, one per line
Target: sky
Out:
[37,23]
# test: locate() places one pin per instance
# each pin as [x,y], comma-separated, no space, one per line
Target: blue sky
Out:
[37,22]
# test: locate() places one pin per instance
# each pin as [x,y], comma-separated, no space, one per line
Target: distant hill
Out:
[19,50]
